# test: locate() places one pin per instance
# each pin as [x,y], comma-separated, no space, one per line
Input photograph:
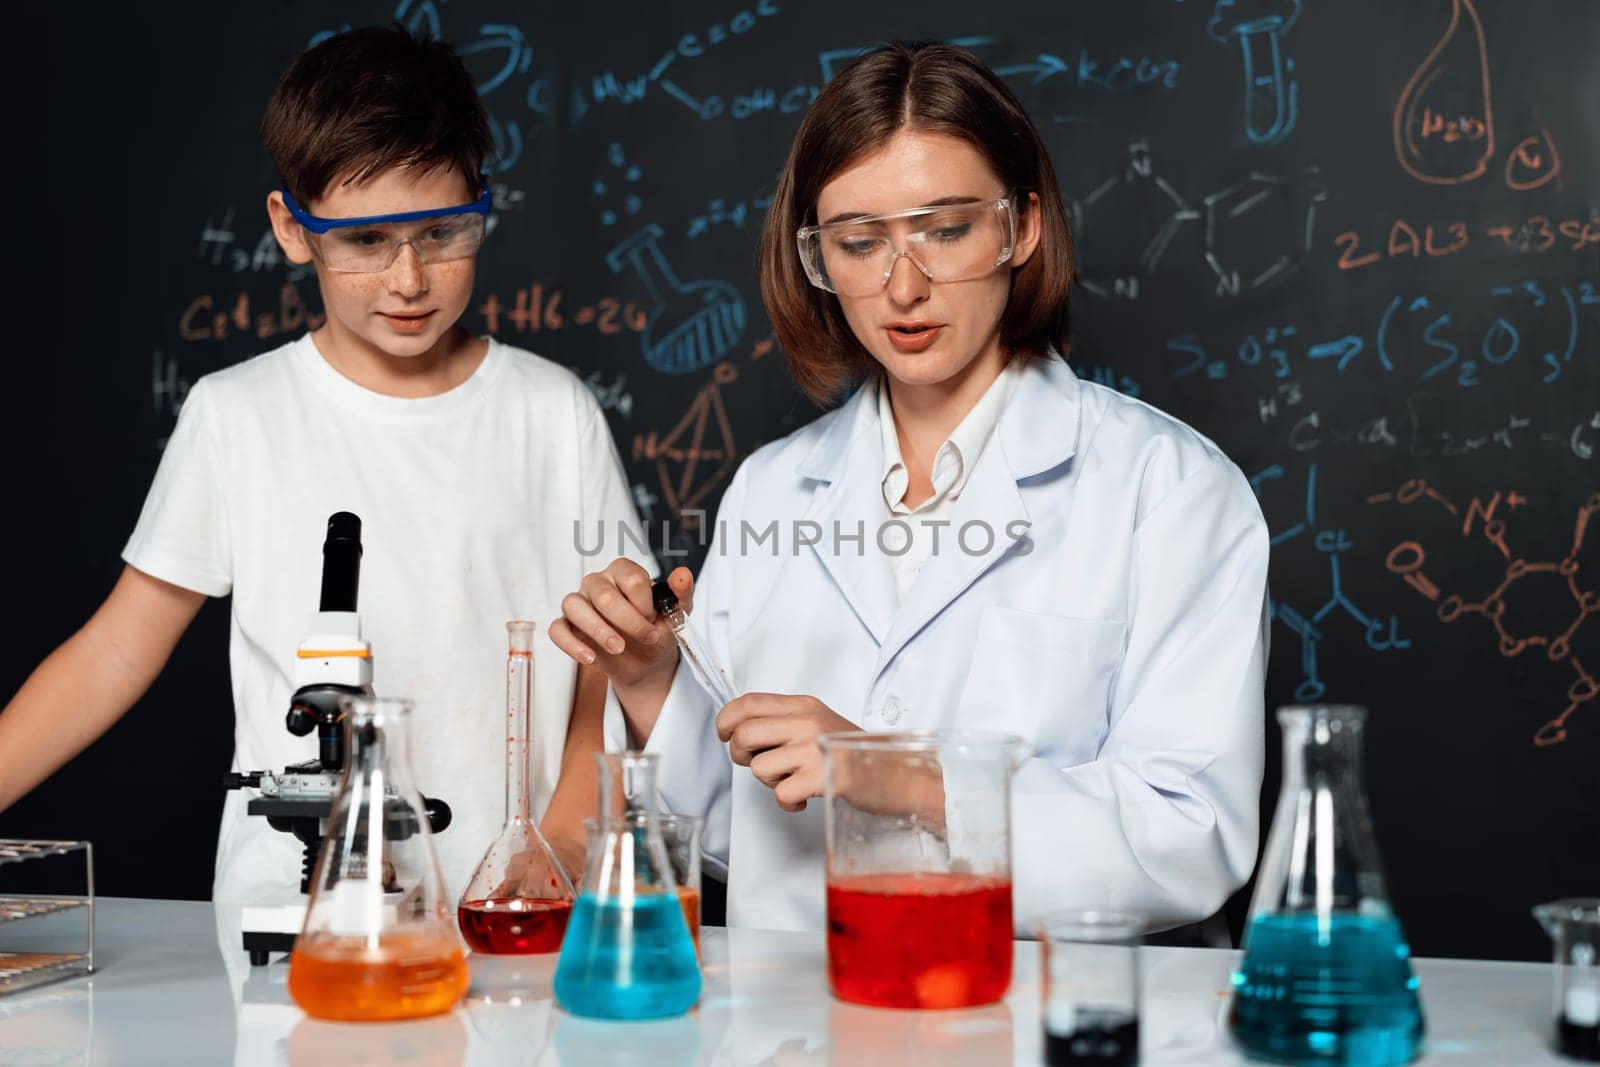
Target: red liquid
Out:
[919,940]
[514,926]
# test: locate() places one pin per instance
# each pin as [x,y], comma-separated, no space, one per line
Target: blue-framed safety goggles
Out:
[371,244]
[319,225]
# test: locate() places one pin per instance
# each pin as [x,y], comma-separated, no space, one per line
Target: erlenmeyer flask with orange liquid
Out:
[520,898]
[378,941]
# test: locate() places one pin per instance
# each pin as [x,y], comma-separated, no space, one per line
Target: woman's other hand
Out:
[776,737]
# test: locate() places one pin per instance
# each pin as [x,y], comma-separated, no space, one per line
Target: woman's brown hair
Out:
[935,88]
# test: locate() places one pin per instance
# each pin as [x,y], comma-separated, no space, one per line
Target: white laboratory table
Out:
[172,988]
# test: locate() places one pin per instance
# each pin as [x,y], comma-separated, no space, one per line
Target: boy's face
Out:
[404,311]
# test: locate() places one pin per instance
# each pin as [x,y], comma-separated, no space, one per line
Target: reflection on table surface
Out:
[174,989]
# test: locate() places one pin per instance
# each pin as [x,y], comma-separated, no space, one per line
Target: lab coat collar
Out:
[1037,431]
[1038,428]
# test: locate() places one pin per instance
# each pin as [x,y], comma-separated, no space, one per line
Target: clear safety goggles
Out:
[950,243]
[372,243]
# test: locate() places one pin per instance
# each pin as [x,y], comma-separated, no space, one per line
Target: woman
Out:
[974,539]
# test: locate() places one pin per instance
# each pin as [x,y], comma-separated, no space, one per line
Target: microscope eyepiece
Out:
[341,562]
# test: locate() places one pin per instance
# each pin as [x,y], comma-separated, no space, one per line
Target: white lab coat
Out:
[1123,636]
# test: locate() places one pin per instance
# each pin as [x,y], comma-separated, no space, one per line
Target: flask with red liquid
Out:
[918,837]
[377,943]
[520,898]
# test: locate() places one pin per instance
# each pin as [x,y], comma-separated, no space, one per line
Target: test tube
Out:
[712,678]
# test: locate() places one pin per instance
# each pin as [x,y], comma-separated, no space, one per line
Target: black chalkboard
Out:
[1357,243]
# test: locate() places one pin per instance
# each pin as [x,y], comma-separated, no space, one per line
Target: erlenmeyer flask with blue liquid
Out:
[627,952]
[1326,975]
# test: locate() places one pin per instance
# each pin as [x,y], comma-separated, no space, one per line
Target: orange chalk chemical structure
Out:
[1407,559]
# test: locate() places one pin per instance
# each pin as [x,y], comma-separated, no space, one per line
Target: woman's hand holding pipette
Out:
[775,736]
[611,622]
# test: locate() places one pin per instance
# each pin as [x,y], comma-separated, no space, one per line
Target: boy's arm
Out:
[576,789]
[91,679]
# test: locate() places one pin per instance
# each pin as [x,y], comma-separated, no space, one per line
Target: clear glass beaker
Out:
[1574,928]
[918,840]
[520,898]
[378,940]
[628,954]
[1326,974]
[1090,967]
[681,835]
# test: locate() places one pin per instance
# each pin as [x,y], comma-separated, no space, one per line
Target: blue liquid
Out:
[632,962]
[1347,998]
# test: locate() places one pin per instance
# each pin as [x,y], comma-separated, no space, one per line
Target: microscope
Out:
[332,662]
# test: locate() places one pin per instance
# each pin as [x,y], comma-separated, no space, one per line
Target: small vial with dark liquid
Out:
[1091,988]
[1578,1041]
[1098,1038]
[1578,1024]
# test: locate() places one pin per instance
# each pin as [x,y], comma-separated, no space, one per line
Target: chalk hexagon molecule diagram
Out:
[1137,197]
[1512,607]
[1259,231]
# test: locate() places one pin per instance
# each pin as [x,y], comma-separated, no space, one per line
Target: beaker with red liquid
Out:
[918,833]
[519,899]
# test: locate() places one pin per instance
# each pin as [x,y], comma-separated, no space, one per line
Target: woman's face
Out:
[926,333]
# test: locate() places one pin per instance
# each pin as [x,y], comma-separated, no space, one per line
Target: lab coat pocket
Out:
[1045,677]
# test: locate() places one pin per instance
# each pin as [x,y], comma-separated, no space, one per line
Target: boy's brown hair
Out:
[367,100]
[936,88]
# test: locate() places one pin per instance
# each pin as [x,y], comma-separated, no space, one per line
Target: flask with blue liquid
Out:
[627,953]
[1326,974]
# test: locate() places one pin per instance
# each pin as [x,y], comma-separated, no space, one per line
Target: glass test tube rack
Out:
[31,952]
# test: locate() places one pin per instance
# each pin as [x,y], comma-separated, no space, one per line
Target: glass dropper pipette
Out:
[714,679]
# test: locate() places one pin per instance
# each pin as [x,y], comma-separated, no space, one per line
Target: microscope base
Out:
[269,929]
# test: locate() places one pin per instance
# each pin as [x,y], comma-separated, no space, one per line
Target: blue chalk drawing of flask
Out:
[691,324]
[1270,92]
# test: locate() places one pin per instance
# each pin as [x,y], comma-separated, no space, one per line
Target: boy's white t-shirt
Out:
[467,501]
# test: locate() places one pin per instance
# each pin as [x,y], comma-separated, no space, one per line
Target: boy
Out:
[466,460]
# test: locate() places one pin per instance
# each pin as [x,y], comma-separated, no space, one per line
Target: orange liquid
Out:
[689,899]
[405,976]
